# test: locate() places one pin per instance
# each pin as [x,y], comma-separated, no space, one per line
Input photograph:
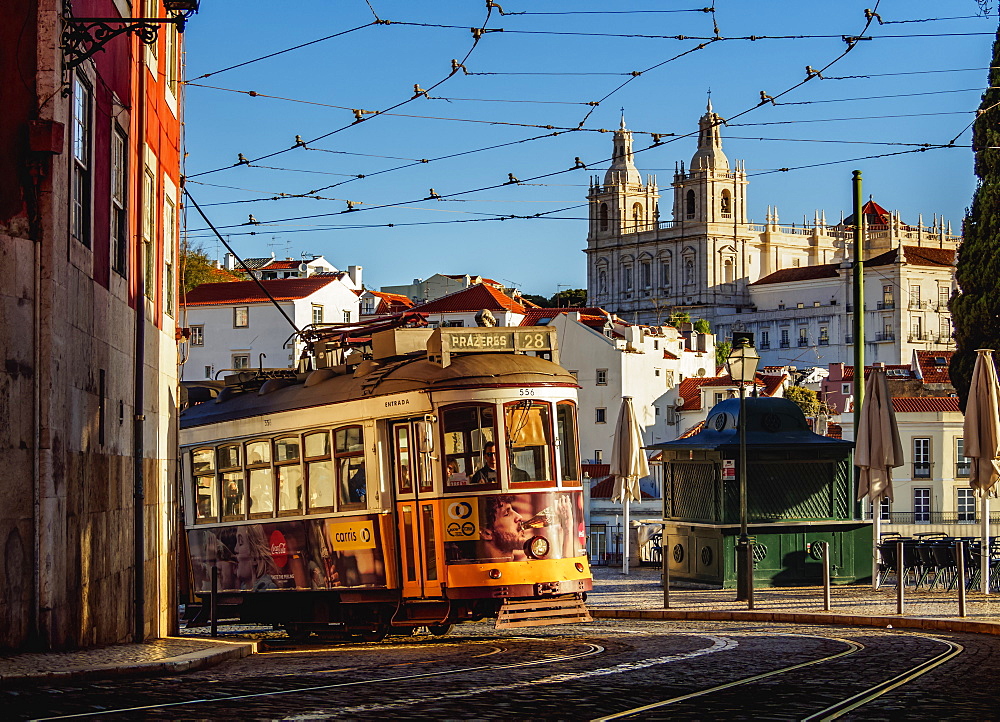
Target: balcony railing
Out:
[885,337]
[803,342]
[885,305]
[962,469]
[824,342]
[934,517]
[785,344]
[921,469]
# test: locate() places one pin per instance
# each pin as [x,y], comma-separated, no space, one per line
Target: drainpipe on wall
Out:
[138,427]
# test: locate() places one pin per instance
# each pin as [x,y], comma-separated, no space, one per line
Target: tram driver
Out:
[488,474]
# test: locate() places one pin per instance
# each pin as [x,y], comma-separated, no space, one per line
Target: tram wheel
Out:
[440,630]
[376,633]
[297,632]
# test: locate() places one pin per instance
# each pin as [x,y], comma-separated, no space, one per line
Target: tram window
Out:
[411,562]
[430,546]
[349,451]
[529,441]
[404,477]
[260,477]
[261,492]
[320,470]
[207,509]
[566,429]
[233,496]
[289,473]
[203,461]
[229,457]
[469,432]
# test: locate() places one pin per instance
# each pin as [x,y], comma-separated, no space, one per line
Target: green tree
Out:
[197,268]
[805,399]
[534,298]
[570,298]
[722,351]
[975,309]
[678,318]
[702,326]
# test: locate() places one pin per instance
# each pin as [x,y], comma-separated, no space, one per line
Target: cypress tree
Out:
[975,309]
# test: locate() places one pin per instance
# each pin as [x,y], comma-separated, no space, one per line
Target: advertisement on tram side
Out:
[303,554]
[500,527]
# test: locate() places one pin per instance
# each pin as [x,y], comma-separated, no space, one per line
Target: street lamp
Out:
[742,365]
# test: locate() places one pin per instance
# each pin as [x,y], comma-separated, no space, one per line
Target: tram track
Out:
[589,651]
[830,712]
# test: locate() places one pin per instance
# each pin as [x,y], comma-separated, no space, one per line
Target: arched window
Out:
[726,204]
[603,217]
[689,205]
[638,217]
[728,270]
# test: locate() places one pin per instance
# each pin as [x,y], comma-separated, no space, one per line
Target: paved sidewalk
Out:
[169,655]
[640,595]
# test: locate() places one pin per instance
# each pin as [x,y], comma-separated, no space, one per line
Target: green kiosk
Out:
[799,492]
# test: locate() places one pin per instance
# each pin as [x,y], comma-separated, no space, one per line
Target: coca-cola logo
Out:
[279,549]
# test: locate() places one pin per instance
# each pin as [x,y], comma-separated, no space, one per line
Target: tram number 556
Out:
[525,392]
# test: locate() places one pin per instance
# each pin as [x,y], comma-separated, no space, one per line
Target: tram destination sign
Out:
[529,339]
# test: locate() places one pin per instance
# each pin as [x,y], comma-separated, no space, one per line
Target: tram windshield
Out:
[529,441]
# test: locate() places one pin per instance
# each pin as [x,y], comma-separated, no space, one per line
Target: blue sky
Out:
[542,64]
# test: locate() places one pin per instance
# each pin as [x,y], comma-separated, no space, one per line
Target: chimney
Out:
[355,273]
[837,371]
[229,262]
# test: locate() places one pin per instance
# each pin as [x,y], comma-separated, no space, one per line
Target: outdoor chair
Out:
[887,560]
[943,551]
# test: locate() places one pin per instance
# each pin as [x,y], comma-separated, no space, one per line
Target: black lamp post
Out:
[742,365]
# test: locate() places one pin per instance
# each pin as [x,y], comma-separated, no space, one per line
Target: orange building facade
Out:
[90,204]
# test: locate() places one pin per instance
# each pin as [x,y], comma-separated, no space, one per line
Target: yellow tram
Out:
[415,477]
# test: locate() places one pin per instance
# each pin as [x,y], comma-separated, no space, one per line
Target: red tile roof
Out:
[474,298]
[282,289]
[934,373]
[926,404]
[391,302]
[690,388]
[875,215]
[606,487]
[916,256]
[668,355]
[596,471]
[283,265]
[803,273]
[849,371]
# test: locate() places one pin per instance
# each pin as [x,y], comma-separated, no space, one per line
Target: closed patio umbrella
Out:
[877,452]
[628,465]
[982,443]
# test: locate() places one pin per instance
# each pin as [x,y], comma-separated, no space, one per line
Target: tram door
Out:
[421,549]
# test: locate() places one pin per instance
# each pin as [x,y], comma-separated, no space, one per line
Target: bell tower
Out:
[708,191]
[622,203]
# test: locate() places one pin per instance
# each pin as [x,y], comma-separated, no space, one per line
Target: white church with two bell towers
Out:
[790,285]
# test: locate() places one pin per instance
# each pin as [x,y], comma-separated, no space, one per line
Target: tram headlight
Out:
[537,547]
[579,567]
[493,573]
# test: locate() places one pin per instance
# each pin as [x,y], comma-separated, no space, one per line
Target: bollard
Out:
[826,576]
[749,566]
[899,578]
[960,559]
[213,605]
[666,572]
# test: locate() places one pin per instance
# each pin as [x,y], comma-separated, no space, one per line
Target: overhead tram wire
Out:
[476,36]
[286,50]
[241,261]
[851,44]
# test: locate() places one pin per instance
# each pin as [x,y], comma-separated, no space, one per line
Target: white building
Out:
[235,326]
[273,268]
[710,260]
[438,285]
